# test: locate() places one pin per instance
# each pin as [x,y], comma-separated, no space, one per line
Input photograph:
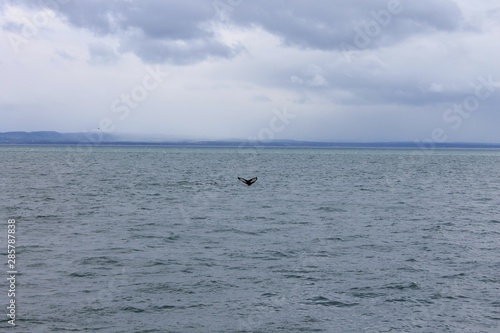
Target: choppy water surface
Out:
[167,240]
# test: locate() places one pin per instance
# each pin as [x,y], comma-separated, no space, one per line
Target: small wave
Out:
[169,307]
[280,254]
[397,300]
[402,286]
[309,319]
[490,279]
[166,306]
[104,260]
[158,288]
[334,239]
[35,248]
[155,262]
[483,199]
[201,305]
[437,296]
[147,236]
[237,231]
[409,269]
[323,301]
[47,217]
[131,309]
[82,274]
[332,209]
[269,295]
[172,237]
[199,217]
[453,276]
[364,292]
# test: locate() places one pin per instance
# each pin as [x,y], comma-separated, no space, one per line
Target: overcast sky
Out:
[330,70]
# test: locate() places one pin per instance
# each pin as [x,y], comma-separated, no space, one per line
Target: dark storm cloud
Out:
[325,24]
[155,30]
[182,31]
[172,20]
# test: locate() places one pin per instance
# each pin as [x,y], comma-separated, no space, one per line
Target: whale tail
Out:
[249,181]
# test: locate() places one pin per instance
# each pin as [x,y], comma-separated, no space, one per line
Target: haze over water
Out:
[168,240]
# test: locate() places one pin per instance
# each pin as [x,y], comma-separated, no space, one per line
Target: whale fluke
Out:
[249,181]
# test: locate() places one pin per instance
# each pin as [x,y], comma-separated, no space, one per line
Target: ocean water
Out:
[141,239]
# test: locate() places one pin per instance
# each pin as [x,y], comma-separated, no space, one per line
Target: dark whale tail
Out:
[249,181]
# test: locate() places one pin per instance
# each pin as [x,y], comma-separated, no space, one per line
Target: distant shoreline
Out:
[246,145]
[49,138]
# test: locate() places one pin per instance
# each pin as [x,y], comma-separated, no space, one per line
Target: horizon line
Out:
[69,138]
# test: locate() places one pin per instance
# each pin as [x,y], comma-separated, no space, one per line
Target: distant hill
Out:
[99,138]
[51,137]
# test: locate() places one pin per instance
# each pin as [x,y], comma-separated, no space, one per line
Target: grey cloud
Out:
[171,20]
[180,31]
[388,90]
[436,14]
[375,83]
[95,15]
[102,54]
[325,24]
[176,51]
[312,76]
[157,19]
[155,30]
[12,27]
